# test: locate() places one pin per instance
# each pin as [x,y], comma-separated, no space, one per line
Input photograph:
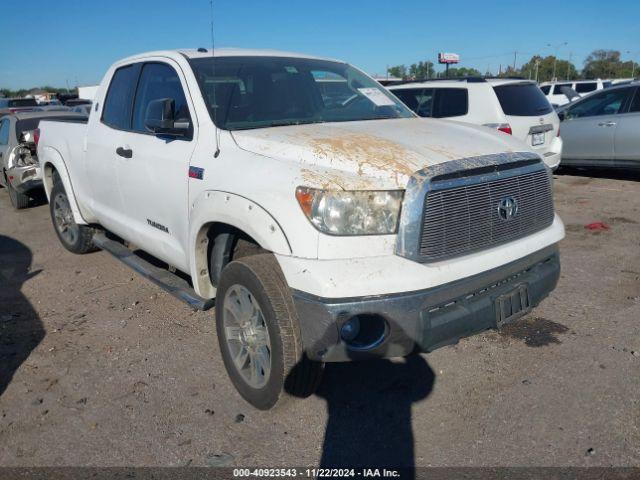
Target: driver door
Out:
[153,180]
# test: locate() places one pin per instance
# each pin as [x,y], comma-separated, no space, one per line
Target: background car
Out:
[602,129]
[513,106]
[556,92]
[19,168]
[12,105]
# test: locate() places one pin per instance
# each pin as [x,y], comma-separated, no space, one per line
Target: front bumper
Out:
[425,319]
[25,179]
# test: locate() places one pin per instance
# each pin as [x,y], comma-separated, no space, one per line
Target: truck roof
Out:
[220,52]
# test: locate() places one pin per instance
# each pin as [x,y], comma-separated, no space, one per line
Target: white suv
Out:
[555,90]
[516,107]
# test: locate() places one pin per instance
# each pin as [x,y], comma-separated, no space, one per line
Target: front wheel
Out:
[74,237]
[259,334]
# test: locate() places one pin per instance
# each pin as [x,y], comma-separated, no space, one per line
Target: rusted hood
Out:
[387,150]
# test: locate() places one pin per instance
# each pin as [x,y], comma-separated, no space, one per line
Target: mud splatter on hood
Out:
[375,153]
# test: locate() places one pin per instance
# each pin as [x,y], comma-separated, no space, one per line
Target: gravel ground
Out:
[99,367]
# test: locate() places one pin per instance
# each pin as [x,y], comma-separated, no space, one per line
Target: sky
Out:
[69,42]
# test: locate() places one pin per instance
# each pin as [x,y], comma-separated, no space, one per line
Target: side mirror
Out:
[562,116]
[160,119]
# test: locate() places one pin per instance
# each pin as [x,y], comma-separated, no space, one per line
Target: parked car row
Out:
[20,171]
[515,107]
[598,129]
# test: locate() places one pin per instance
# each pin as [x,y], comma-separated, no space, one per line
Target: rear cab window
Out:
[118,103]
[546,89]
[522,100]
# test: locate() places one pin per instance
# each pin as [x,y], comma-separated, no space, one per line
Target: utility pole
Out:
[569,64]
[537,65]
[515,56]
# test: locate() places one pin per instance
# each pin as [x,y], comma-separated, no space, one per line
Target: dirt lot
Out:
[100,367]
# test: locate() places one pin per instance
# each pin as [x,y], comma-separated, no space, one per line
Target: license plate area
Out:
[512,305]
[537,139]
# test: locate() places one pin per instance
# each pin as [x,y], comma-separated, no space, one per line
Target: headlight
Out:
[363,212]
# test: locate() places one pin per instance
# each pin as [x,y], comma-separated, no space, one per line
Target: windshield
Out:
[522,100]
[256,92]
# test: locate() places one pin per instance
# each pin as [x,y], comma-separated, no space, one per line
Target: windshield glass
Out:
[522,100]
[256,92]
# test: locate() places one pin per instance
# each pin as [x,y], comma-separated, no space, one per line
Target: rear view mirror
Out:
[160,119]
[561,116]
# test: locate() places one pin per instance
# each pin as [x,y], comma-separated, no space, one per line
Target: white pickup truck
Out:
[324,220]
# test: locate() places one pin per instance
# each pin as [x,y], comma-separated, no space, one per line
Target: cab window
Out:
[158,81]
[117,106]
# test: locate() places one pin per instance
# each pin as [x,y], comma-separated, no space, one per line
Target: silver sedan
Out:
[603,129]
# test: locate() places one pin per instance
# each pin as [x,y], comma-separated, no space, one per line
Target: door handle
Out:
[607,124]
[124,152]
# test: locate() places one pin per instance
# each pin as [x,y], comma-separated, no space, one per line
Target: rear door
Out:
[102,163]
[627,135]
[529,113]
[589,128]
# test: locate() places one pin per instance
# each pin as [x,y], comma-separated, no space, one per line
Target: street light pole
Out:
[555,57]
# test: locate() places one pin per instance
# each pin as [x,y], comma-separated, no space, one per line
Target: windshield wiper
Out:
[292,122]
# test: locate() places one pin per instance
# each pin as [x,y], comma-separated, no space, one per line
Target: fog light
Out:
[350,329]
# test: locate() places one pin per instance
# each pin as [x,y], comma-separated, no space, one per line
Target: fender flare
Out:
[212,207]
[50,159]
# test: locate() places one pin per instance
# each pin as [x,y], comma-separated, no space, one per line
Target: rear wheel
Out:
[74,237]
[18,200]
[259,334]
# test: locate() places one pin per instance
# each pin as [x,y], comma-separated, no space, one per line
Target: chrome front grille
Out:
[466,218]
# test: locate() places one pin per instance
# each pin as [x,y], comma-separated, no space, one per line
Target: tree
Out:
[543,67]
[399,71]
[605,64]
[464,72]
[421,70]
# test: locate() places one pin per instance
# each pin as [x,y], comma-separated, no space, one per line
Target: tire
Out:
[74,237]
[273,328]
[18,200]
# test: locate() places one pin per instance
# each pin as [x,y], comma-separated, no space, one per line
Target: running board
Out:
[172,283]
